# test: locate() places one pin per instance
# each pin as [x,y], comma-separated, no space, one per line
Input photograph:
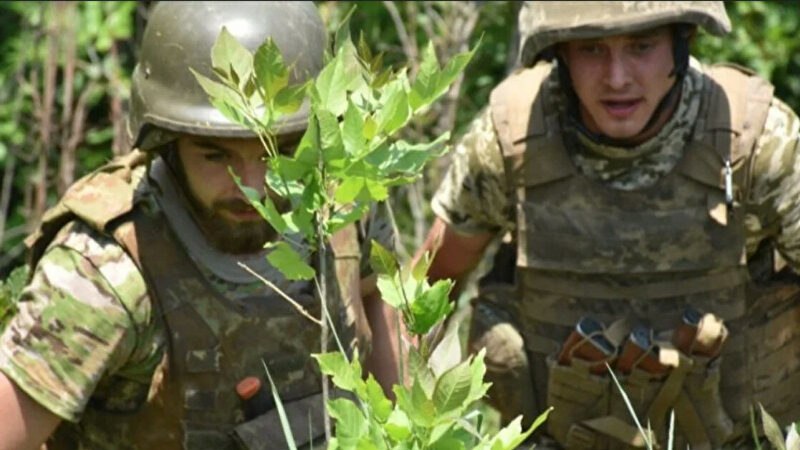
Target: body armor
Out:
[584,249]
[213,342]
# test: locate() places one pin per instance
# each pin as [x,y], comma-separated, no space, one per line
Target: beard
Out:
[224,234]
[227,235]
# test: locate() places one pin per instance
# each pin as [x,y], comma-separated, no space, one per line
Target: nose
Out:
[617,74]
[252,175]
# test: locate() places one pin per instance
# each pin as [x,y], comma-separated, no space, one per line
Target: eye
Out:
[215,156]
[642,47]
[590,49]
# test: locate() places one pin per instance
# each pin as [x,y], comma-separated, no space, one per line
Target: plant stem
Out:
[285,296]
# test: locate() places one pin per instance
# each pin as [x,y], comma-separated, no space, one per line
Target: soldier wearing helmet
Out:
[138,325]
[635,196]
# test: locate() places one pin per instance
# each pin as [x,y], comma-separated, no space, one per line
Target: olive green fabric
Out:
[643,254]
[542,24]
[120,331]
[165,93]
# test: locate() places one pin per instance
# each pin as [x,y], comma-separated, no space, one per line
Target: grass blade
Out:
[287,430]
[632,412]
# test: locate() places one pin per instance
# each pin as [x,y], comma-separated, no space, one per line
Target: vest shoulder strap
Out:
[97,199]
[737,112]
[519,112]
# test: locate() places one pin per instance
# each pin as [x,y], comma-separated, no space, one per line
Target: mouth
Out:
[241,212]
[621,109]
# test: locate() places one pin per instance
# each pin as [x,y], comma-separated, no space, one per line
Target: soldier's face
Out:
[220,208]
[620,80]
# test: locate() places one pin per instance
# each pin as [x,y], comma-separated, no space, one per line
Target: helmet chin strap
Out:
[680,56]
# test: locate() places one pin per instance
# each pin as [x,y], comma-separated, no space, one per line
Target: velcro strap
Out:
[690,423]
[668,394]
[618,429]
[662,289]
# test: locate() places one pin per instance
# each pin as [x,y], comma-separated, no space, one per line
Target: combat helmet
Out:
[544,23]
[179,35]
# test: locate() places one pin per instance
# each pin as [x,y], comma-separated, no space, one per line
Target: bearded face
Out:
[220,209]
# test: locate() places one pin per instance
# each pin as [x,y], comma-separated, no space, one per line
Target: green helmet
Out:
[544,23]
[180,35]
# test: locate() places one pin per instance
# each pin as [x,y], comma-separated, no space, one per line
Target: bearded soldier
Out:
[138,325]
[640,190]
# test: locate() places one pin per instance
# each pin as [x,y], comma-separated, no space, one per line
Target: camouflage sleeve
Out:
[774,209]
[72,325]
[473,197]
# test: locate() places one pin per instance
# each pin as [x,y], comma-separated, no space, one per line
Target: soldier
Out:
[138,324]
[638,184]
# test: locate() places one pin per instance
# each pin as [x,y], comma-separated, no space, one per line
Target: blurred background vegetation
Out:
[65,76]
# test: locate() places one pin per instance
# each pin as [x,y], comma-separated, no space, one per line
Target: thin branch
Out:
[285,296]
[5,193]
[409,49]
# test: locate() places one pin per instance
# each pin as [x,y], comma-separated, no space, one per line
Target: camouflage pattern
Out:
[88,342]
[478,168]
[474,196]
[542,24]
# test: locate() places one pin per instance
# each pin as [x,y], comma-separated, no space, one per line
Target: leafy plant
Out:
[773,432]
[347,159]
[10,290]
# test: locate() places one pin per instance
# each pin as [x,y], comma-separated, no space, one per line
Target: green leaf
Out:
[448,443]
[381,260]
[230,57]
[431,307]
[398,427]
[394,112]
[350,422]
[370,128]
[374,191]
[447,354]
[289,169]
[420,371]
[308,149]
[289,99]
[330,136]
[772,430]
[415,404]
[376,399]
[287,429]
[452,389]
[331,86]
[393,294]
[349,190]
[424,87]
[265,207]
[478,368]
[271,71]
[289,262]
[301,221]
[342,218]
[344,375]
[224,99]
[352,131]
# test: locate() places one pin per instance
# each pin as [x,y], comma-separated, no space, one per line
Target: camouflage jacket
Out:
[87,331]
[474,198]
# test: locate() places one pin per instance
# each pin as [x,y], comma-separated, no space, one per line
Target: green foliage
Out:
[426,416]
[10,290]
[348,149]
[773,432]
[763,38]
[89,48]
[347,159]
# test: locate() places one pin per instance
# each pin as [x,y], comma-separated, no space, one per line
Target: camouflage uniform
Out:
[477,196]
[133,330]
[88,336]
